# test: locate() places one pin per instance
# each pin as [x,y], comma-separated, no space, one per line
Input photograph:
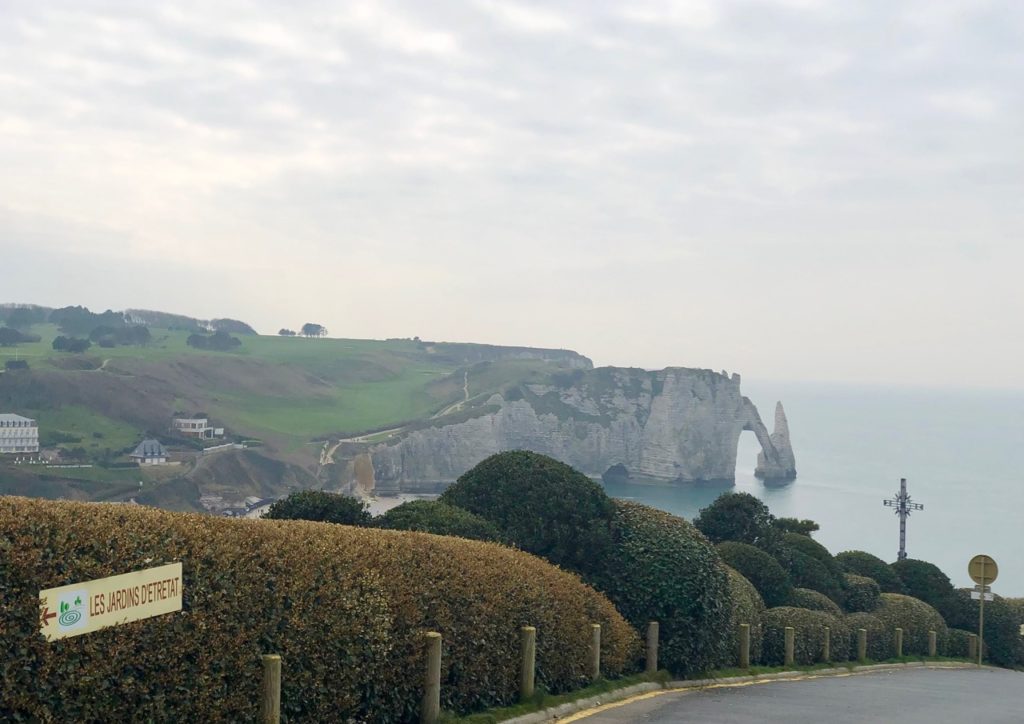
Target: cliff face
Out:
[676,424]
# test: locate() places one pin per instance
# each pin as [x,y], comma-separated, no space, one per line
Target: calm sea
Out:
[962,453]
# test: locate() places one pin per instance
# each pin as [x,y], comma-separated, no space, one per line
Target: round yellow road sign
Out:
[983,570]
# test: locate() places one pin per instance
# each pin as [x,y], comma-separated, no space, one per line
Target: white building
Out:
[196,427]
[18,435]
[150,452]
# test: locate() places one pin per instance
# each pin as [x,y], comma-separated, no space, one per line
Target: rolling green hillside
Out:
[289,393]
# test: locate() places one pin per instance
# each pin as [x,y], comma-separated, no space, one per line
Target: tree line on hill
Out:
[81,328]
[309,329]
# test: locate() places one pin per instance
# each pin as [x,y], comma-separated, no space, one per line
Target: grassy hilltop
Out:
[290,393]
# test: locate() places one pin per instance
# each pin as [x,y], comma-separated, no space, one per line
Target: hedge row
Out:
[809,635]
[865,564]
[345,607]
[914,616]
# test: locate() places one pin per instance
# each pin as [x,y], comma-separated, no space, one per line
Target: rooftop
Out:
[149,449]
[7,418]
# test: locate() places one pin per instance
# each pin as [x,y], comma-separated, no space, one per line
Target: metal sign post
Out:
[901,502]
[983,571]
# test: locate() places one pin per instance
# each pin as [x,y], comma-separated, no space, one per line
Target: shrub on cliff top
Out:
[914,616]
[808,635]
[861,593]
[816,550]
[924,580]
[322,506]
[1003,642]
[540,505]
[747,607]
[345,607]
[738,517]
[813,600]
[768,577]
[660,568]
[808,572]
[865,564]
[433,516]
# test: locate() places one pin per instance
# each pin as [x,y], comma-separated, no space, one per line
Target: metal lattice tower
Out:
[903,506]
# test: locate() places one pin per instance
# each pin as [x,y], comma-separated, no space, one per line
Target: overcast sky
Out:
[790,190]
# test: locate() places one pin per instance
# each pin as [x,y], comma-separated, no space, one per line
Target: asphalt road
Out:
[909,696]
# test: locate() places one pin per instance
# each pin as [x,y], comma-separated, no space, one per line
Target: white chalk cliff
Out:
[676,424]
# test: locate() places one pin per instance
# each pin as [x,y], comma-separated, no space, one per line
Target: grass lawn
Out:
[97,432]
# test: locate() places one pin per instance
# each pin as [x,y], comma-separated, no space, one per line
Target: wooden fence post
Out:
[862,645]
[651,664]
[972,647]
[595,651]
[270,701]
[899,642]
[528,663]
[790,635]
[827,648]
[744,645]
[932,648]
[430,709]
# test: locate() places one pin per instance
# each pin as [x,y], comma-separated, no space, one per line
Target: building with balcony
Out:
[198,427]
[18,435]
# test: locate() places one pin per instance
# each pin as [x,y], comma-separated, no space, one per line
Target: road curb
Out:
[638,690]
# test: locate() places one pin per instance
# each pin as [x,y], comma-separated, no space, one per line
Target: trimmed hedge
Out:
[1003,642]
[914,616]
[814,601]
[433,516]
[881,639]
[345,607]
[814,549]
[321,506]
[747,607]
[865,564]
[862,593]
[957,642]
[660,568]
[809,635]
[768,577]
[927,582]
[540,505]
[808,572]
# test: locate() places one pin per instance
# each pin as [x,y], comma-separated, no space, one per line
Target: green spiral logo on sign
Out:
[70,617]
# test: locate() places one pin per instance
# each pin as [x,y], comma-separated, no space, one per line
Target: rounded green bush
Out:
[540,505]
[914,616]
[768,577]
[861,593]
[1003,642]
[738,517]
[660,568]
[749,608]
[814,601]
[814,549]
[880,636]
[924,580]
[318,505]
[865,564]
[433,516]
[809,635]
[808,572]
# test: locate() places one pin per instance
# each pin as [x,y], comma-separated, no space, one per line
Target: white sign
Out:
[81,608]
[976,595]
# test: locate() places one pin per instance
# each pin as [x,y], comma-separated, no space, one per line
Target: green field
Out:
[288,390]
